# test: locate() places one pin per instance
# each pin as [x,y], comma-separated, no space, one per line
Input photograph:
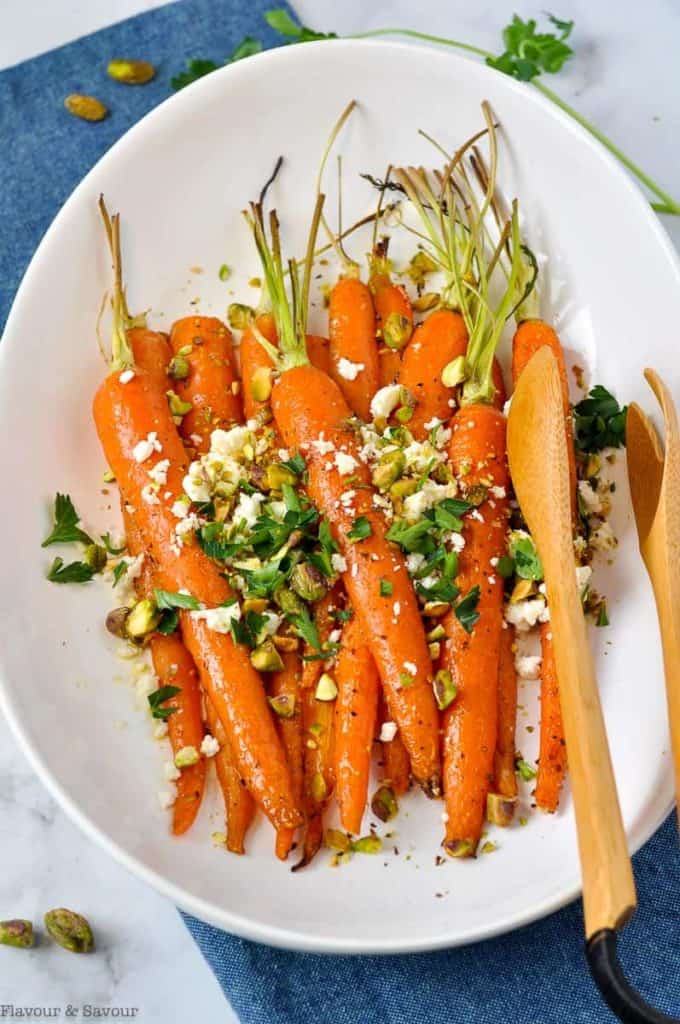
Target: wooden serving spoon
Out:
[537,454]
[655,489]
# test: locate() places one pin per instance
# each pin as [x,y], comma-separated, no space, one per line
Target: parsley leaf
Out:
[447,514]
[74,572]
[409,537]
[528,53]
[306,628]
[281,21]
[386,588]
[247,629]
[361,529]
[466,610]
[106,541]
[196,68]
[248,47]
[167,600]
[526,771]
[210,539]
[158,698]
[263,582]
[169,622]
[119,571]
[527,562]
[296,465]
[600,421]
[66,529]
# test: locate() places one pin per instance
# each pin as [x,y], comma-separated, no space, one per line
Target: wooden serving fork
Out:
[537,452]
[654,477]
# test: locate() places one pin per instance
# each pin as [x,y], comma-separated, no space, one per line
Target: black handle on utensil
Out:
[618,994]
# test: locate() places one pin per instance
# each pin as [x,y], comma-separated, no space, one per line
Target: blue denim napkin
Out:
[534,976]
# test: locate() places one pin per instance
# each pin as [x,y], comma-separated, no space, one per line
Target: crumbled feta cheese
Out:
[349,370]
[476,514]
[589,497]
[493,562]
[160,730]
[347,497]
[219,619]
[339,563]
[497,492]
[414,561]
[433,423]
[144,687]
[345,463]
[159,473]
[334,636]
[143,450]
[415,505]
[188,525]
[196,484]
[271,624]
[388,730]
[283,454]
[411,667]
[430,581]
[456,541]
[355,569]
[506,407]
[170,771]
[126,376]
[603,538]
[385,401]
[525,614]
[528,665]
[396,608]
[233,442]
[149,495]
[248,508]
[180,509]
[583,575]
[167,797]
[322,446]
[209,746]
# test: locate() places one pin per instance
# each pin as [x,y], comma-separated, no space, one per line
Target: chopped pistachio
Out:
[336,840]
[95,556]
[477,494]
[454,373]
[396,330]
[427,301]
[266,658]
[177,406]
[219,838]
[276,475]
[143,619]
[436,633]
[318,787]
[489,846]
[459,847]
[224,273]
[70,930]
[115,621]
[435,609]
[403,488]
[384,803]
[255,604]
[240,316]
[367,844]
[185,350]
[286,644]
[186,756]
[500,809]
[445,690]
[404,413]
[108,477]
[261,384]
[420,266]
[308,582]
[16,933]
[282,705]
[435,649]
[288,601]
[87,108]
[131,72]
[522,590]
[178,368]
[326,688]
[255,282]
[389,468]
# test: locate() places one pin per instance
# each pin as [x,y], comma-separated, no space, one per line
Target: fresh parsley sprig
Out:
[599,421]
[198,68]
[73,572]
[66,529]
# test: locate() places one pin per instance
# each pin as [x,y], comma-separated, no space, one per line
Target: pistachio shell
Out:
[70,930]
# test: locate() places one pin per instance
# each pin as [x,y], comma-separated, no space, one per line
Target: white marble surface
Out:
[626,78]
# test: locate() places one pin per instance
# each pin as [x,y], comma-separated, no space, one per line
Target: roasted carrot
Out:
[506,779]
[393,310]
[530,336]
[239,804]
[355,715]
[286,684]
[317,723]
[319,352]
[152,352]
[477,455]
[125,415]
[353,347]
[173,666]
[311,413]
[390,365]
[257,366]
[440,339]
[396,765]
[204,343]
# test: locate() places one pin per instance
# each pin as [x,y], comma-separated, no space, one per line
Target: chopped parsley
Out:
[157,701]
[166,599]
[523,552]
[66,529]
[526,771]
[361,529]
[599,421]
[119,571]
[74,572]
[386,588]
[466,610]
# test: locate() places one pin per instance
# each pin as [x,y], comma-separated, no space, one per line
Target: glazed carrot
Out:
[506,779]
[352,327]
[440,338]
[317,723]
[477,455]
[393,310]
[239,804]
[125,415]
[396,769]
[355,715]
[152,353]
[319,352]
[286,683]
[390,365]
[530,336]
[552,758]
[211,385]
[256,366]
[308,405]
